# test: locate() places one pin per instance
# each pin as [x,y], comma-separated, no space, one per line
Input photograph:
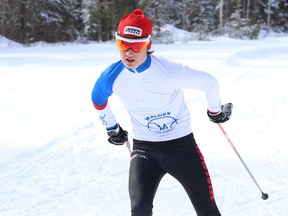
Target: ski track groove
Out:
[23,173]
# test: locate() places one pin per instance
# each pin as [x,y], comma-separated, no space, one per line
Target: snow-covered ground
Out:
[54,157]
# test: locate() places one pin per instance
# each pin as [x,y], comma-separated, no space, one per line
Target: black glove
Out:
[117,135]
[222,116]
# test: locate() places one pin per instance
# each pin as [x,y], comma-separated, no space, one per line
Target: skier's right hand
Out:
[222,116]
[117,135]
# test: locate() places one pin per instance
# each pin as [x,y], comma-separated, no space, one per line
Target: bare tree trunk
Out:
[136,4]
[221,17]
[269,12]
[183,15]
[247,9]
[3,17]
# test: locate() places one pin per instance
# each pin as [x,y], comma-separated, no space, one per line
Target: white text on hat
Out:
[133,30]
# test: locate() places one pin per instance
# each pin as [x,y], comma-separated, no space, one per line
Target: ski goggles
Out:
[136,44]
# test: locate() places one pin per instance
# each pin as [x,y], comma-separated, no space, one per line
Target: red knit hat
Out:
[135,25]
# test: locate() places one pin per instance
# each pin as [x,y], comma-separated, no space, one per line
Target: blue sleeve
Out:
[103,86]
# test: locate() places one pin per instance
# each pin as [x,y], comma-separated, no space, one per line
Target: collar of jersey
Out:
[145,65]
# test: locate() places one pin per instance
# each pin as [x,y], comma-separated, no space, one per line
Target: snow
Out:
[54,157]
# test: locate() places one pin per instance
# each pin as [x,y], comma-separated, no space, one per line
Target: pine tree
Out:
[205,21]
[104,17]
[236,22]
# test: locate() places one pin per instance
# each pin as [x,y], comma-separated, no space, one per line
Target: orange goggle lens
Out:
[135,46]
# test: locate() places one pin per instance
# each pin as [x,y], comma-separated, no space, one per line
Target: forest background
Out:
[30,21]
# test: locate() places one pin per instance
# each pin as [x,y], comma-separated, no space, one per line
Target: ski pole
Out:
[128,145]
[264,196]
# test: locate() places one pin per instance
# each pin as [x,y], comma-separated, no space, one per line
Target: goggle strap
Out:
[132,40]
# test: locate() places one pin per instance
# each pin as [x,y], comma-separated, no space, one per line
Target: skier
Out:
[151,88]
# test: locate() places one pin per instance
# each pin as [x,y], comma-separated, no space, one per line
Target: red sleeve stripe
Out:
[100,107]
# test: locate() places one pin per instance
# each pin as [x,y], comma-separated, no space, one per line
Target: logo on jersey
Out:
[102,118]
[161,123]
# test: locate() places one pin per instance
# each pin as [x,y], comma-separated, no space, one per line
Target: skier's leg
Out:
[192,173]
[144,178]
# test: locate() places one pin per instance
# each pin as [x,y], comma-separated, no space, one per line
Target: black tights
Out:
[182,159]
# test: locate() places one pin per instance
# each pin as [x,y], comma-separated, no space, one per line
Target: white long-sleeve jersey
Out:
[153,96]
